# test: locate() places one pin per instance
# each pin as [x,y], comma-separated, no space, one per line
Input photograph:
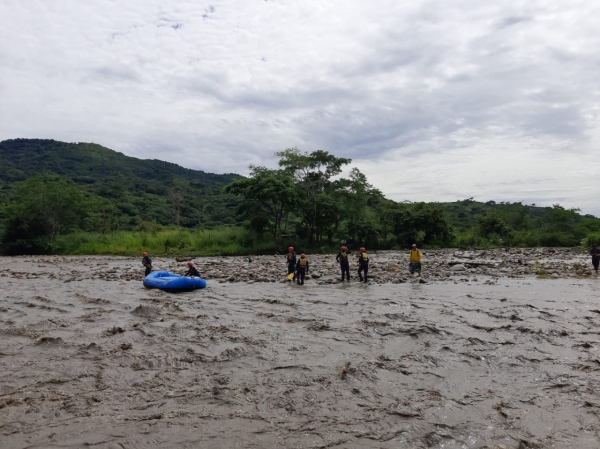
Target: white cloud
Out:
[434,100]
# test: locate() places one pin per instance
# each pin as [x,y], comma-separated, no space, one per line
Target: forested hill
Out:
[55,194]
[138,188]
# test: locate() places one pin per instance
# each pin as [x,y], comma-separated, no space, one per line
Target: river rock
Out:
[393,267]
[458,267]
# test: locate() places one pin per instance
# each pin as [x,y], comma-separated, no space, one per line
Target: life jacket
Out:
[303,263]
[415,255]
[364,257]
[291,256]
[343,255]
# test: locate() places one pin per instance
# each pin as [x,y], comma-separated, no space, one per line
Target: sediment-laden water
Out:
[485,355]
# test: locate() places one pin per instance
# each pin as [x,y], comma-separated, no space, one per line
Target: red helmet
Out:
[344,248]
[144,253]
[290,249]
[303,256]
[362,250]
[190,264]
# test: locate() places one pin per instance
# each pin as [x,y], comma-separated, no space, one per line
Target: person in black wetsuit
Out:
[595,253]
[301,269]
[147,262]
[291,262]
[363,265]
[192,270]
[342,259]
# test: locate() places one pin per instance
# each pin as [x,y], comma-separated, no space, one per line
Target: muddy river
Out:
[89,358]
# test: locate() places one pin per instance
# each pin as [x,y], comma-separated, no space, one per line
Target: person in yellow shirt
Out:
[414,261]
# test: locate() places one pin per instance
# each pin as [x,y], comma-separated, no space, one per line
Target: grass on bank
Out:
[225,241]
[232,241]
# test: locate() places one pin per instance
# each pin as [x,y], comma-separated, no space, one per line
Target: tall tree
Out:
[312,172]
[43,206]
[55,201]
[411,221]
[267,192]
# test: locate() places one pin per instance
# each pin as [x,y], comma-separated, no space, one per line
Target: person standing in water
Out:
[147,262]
[363,265]
[414,261]
[301,269]
[192,271]
[291,262]
[342,259]
[595,253]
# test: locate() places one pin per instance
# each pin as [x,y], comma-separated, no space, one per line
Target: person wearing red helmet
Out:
[291,262]
[147,262]
[342,259]
[363,264]
[192,270]
[301,269]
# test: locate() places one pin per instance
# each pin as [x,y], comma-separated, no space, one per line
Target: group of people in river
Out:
[298,267]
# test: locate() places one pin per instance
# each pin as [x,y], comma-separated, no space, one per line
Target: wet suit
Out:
[363,265]
[595,253]
[291,261]
[301,270]
[192,272]
[147,262]
[342,259]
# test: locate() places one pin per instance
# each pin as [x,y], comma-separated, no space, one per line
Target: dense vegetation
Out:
[51,188]
[82,198]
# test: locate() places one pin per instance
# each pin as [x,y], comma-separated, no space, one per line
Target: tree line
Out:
[305,201]
[305,197]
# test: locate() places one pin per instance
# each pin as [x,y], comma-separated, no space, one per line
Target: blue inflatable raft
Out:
[173,282]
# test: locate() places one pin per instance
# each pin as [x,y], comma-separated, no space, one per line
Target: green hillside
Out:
[138,188]
[82,198]
[463,214]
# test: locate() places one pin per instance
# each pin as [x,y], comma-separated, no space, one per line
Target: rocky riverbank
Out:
[385,267]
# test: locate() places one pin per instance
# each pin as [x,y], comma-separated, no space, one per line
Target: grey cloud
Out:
[230,95]
[564,121]
[512,20]
[114,74]
[208,12]
[376,82]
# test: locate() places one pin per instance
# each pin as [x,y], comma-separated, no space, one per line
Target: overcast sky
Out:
[434,100]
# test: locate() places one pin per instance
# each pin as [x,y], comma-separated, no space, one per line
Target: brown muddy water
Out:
[95,360]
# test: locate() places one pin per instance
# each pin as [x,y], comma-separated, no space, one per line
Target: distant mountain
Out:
[137,187]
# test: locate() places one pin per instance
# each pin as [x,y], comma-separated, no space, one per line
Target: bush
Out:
[558,239]
[525,239]
[592,239]
[467,239]
[492,224]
